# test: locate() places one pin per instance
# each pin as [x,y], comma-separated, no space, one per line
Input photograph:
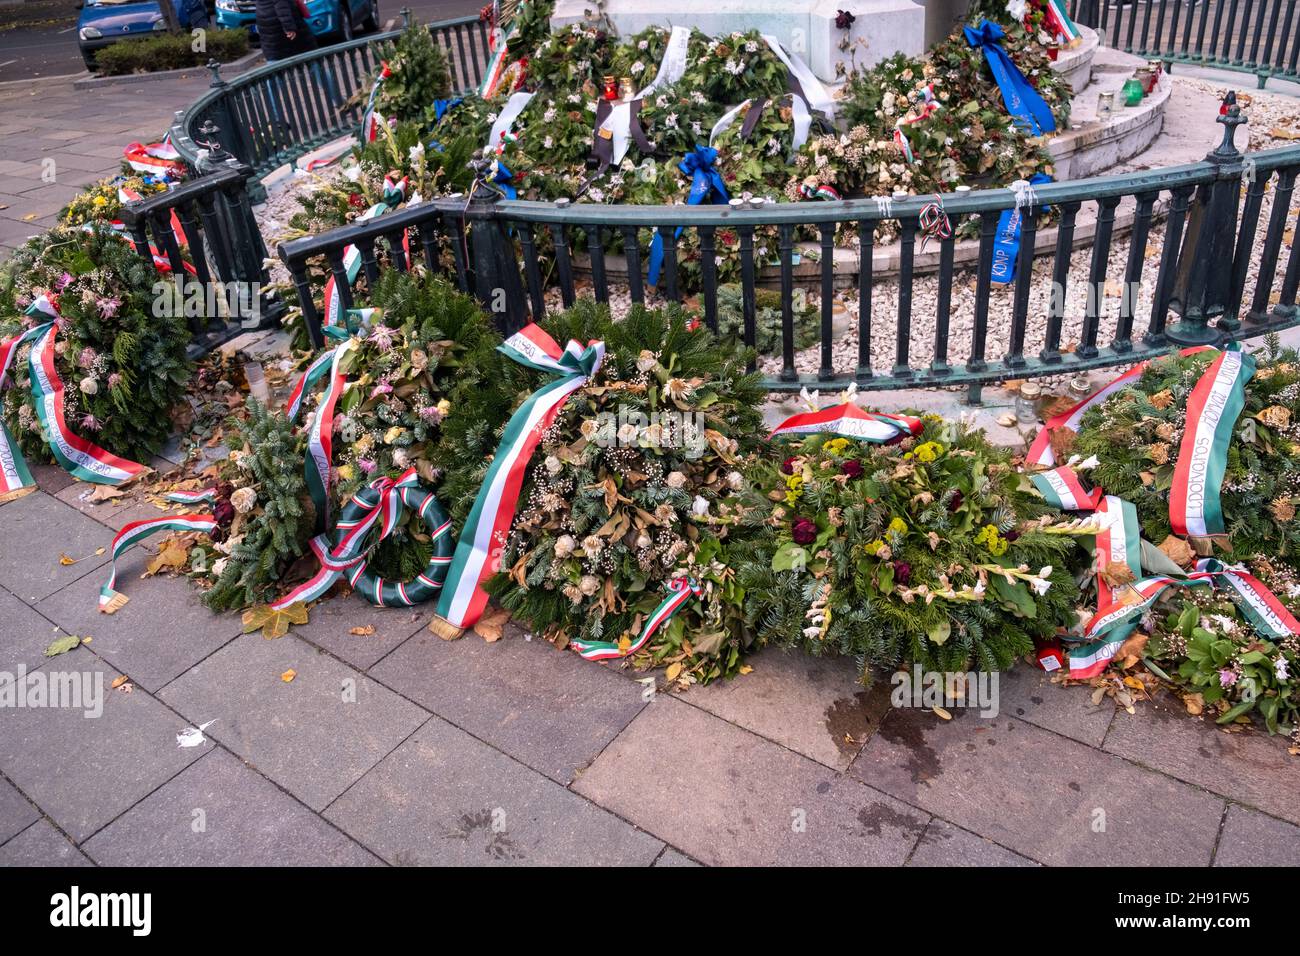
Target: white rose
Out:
[589,584]
[564,545]
[553,465]
[735,480]
[700,506]
[219,565]
[675,479]
[89,385]
[244,500]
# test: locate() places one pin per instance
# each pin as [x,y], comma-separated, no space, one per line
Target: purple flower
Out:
[804,531]
[90,423]
[381,336]
[902,572]
[852,468]
[787,467]
[430,414]
[87,357]
[955,501]
[383,388]
[366,465]
[114,379]
[108,307]
[64,280]
[1227,677]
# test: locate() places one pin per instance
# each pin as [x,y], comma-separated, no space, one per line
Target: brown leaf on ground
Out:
[492,624]
[106,493]
[289,675]
[1194,703]
[364,630]
[274,623]
[171,558]
[1062,441]
[1117,573]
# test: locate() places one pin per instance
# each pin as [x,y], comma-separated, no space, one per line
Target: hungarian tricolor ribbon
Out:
[320,437]
[478,551]
[851,421]
[1212,411]
[706,183]
[393,196]
[159,159]
[1120,540]
[381,501]
[199,496]
[680,590]
[1266,613]
[1059,22]
[135,532]
[1022,101]
[1062,489]
[371,119]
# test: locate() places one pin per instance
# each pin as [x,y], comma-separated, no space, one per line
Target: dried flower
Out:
[1162,399]
[564,546]
[589,584]
[1275,416]
[1283,509]
[89,385]
[1158,452]
[852,467]
[675,479]
[244,500]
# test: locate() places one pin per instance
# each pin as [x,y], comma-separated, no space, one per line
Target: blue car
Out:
[326,18]
[106,21]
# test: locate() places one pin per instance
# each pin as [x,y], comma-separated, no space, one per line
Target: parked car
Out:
[102,22]
[324,17]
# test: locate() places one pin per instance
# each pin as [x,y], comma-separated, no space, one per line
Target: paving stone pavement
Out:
[398,748]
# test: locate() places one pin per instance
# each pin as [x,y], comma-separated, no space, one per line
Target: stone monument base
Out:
[804,27]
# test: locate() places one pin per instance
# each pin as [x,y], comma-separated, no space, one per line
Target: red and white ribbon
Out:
[850,421]
[135,532]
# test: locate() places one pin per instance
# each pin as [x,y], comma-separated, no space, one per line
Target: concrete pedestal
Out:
[804,27]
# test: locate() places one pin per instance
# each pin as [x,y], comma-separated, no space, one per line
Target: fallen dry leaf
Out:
[1195,704]
[119,681]
[491,625]
[274,623]
[942,713]
[1177,550]
[364,630]
[288,675]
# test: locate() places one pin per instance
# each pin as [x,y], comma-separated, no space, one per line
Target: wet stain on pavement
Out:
[878,816]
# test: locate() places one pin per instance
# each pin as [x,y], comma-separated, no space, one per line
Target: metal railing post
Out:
[1203,287]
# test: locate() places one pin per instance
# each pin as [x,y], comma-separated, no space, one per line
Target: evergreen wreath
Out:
[932,551]
[1136,436]
[124,365]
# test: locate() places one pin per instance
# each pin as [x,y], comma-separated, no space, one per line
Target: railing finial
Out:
[406,16]
[214,67]
[1230,116]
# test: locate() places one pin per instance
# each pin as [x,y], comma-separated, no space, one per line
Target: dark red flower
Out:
[955,501]
[787,466]
[852,468]
[1012,535]
[902,572]
[804,531]
[844,19]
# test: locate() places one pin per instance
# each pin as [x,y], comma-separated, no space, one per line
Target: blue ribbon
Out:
[706,182]
[440,107]
[501,178]
[1006,241]
[1022,100]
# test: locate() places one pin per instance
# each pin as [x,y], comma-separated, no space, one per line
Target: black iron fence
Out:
[1255,36]
[1198,285]
[205,233]
[278,112]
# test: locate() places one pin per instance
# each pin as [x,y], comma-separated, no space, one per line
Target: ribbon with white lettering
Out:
[1212,411]
[478,552]
[1061,488]
[849,420]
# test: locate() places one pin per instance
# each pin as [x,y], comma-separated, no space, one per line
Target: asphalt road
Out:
[48,51]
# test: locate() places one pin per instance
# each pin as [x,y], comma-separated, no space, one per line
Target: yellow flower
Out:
[393,434]
[997,546]
[444,406]
[836,445]
[873,547]
[101,200]
[898,526]
[794,483]
[929,451]
[346,472]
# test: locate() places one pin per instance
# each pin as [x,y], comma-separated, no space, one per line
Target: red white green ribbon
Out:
[15,479]
[852,422]
[1266,613]
[320,437]
[394,195]
[200,496]
[1212,411]
[1061,488]
[680,590]
[370,120]
[135,532]
[478,552]
[160,159]
[1119,540]
[382,502]
[1059,22]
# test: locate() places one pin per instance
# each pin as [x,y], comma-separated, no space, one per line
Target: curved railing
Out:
[1254,36]
[1210,238]
[275,113]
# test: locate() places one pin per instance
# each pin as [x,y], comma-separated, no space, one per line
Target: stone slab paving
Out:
[445,798]
[1250,838]
[1044,796]
[813,705]
[332,621]
[41,845]
[85,771]
[943,844]
[161,632]
[1249,768]
[671,857]
[726,796]
[218,812]
[314,735]
[1028,693]
[549,709]
[16,812]
[39,529]
[24,634]
[114,513]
